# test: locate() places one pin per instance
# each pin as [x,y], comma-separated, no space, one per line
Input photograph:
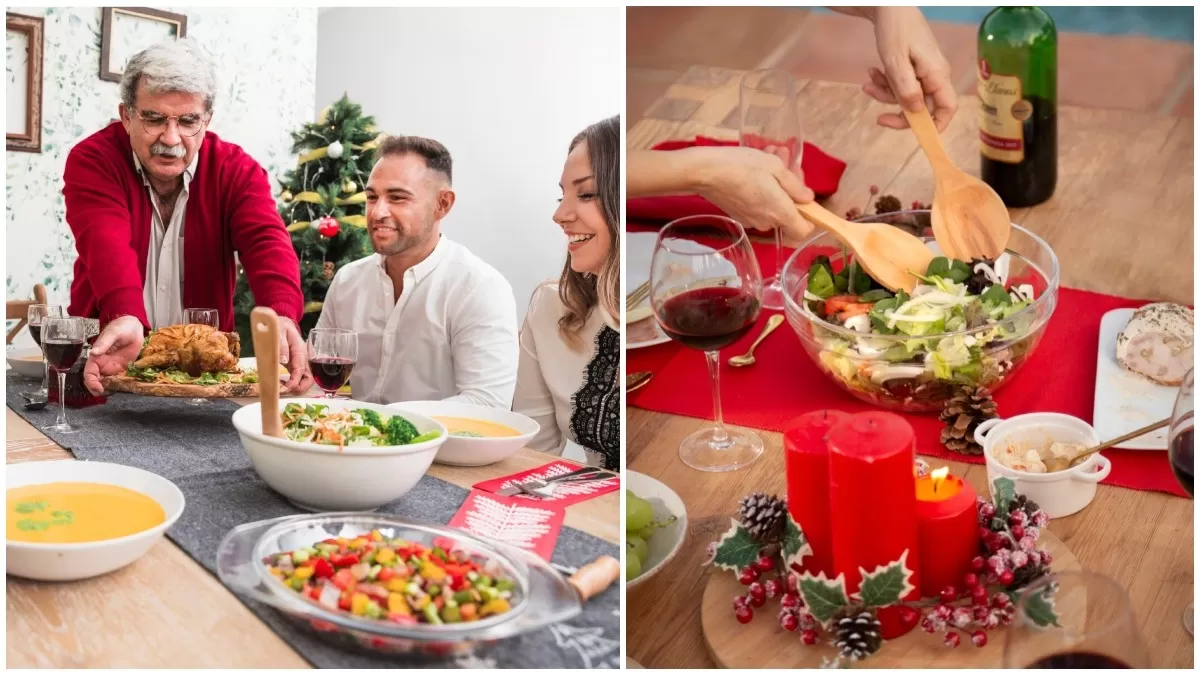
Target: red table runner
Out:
[785,383]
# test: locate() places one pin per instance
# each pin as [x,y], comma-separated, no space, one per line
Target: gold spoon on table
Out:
[747,359]
[890,255]
[1063,463]
[635,381]
[969,219]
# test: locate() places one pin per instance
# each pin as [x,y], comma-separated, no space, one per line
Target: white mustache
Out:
[167,150]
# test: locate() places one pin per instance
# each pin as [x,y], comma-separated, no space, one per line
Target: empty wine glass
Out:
[1075,620]
[62,342]
[332,353]
[706,292]
[1180,439]
[769,120]
[204,317]
[36,315]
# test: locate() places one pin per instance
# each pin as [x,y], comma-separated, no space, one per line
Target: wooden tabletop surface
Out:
[1121,222]
[165,610]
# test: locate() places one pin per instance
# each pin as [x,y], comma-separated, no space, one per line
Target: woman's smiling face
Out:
[580,216]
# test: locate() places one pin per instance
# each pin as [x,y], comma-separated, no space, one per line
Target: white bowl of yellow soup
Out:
[324,477]
[27,362]
[69,520]
[479,434]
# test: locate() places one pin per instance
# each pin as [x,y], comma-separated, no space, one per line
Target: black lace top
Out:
[596,406]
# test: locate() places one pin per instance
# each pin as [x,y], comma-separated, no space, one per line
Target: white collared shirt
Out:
[163,290]
[452,335]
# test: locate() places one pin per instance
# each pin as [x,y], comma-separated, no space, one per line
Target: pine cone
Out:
[962,414]
[857,635]
[764,516]
[327,269]
[887,204]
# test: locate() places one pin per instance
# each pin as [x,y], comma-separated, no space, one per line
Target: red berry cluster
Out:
[758,590]
[1011,545]
[984,612]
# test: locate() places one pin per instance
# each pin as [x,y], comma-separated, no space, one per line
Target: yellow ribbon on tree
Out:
[353,221]
[313,154]
[370,145]
[299,225]
[360,198]
[314,306]
[310,197]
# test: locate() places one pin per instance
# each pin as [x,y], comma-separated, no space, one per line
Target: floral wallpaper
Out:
[266,69]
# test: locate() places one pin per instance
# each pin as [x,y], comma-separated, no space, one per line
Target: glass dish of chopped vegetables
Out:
[386,585]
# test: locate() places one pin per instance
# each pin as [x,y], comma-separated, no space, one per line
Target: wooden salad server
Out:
[264,329]
[886,252]
[591,579]
[969,219]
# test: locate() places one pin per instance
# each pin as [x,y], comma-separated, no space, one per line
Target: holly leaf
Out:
[824,597]
[1039,607]
[1004,491]
[887,584]
[736,548]
[795,545]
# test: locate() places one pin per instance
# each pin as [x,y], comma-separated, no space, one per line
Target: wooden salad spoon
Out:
[1060,463]
[969,219]
[264,329]
[890,255]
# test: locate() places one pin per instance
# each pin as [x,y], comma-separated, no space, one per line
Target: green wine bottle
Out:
[1018,96]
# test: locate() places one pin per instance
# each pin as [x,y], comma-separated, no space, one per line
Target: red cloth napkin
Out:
[822,173]
[565,494]
[786,384]
[516,522]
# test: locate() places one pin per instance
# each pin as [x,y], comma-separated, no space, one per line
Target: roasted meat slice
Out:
[1157,343]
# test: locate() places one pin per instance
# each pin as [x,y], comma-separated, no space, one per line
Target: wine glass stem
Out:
[62,398]
[714,369]
[45,374]
[778,278]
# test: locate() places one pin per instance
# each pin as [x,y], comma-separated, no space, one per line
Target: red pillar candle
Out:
[949,530]
[872,497]
[806,458]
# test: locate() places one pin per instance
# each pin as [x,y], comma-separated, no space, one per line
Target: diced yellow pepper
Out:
[420,602]
[496,606]
[398,605]
[358,604]
[397,585]
[356,543]
[275,571]
[385,555]
[303,572]
[433,573]
[375,536]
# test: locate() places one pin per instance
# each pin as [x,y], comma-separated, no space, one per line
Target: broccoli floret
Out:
[400,431]
[372,418]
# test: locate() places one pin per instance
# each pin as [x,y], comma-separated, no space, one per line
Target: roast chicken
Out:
[193,348]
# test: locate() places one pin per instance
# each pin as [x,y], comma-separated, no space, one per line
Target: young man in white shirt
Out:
[434,321]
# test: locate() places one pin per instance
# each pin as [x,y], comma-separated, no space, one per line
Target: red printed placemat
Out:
[515,522]
[565,494]
[1059,377]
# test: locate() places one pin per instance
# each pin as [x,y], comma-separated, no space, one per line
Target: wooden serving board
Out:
[762,643]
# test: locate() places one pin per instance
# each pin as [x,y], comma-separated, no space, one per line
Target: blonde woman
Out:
[570,362]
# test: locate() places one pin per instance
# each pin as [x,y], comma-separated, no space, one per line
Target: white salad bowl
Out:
[27,362]
[471,450]
[666,541]
[1059,493]
[71,562]
[318,477]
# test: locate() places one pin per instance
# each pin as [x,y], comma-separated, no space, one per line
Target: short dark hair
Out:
[437,157]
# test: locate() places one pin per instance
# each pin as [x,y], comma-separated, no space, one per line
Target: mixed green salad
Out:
[913,345]
[315,423]
[168,375]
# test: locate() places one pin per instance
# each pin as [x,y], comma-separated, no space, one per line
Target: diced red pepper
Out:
[314,592]
[344,602]
[330,541]
[386,573]
[343,579]
[322,569]
[439,601]
[344,560]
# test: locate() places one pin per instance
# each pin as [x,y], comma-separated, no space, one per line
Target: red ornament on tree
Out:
[328,226]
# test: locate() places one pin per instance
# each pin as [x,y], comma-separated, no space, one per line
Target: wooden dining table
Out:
[166,611]
[1120,221]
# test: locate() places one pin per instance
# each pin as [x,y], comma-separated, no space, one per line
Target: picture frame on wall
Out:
[125,31]
[24,45]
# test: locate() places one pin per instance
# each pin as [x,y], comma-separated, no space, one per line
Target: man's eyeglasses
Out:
[188,125]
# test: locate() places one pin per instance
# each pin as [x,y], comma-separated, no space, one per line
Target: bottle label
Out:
[1002,114]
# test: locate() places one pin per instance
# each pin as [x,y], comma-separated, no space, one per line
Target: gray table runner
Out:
[198,449]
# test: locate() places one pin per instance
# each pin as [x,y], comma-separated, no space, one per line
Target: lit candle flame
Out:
[939,475]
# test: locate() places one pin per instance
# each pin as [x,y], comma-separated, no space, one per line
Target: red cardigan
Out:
[229,208]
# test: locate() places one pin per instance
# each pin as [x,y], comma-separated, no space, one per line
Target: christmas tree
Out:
[323,204]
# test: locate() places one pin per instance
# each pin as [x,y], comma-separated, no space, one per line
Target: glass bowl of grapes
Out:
[966,323]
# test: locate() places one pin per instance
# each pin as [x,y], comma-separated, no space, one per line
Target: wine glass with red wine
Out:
[62,342]
[36,315]
[769,120]
[332,353]
[204,317]
[1074,620]
[706,293]
[1180,439]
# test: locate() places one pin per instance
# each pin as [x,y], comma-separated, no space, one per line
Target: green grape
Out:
[638,512]
[647,531]
[633,567]
[637,546]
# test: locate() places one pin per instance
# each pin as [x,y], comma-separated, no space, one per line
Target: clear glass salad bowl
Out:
[540,594]
[909,360]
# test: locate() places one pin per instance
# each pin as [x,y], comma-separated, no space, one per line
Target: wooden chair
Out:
[19,309]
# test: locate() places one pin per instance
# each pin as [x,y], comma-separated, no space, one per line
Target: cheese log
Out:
[1158,342]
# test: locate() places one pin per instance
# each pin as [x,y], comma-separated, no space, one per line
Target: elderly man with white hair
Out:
[159,205]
